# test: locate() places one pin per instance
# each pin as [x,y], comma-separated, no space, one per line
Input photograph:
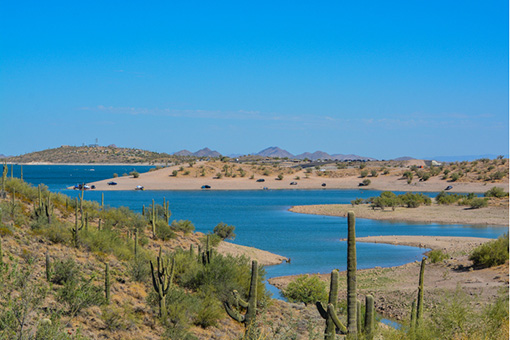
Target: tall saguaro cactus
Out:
[153,219]
[329,314]
[107,283]
[76,229]
[4,178]
[48,267]
[419,305]
[206,256]
[351,276]
[249,318]
[161,281]
[101,208]
[166,210]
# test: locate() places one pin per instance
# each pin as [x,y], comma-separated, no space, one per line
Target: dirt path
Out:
[394,288]
[450,214]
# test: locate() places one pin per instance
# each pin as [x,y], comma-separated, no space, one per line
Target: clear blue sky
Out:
[376,78]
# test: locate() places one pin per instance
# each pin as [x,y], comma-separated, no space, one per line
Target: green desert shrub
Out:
[106,241]
[437,255]
[492,253]
[366,182]
[164,231]
[364,173]
[445,198]
[414,200]
[475,203]
[183,225]
[65,270]
[135,174]
[357,201]
[496,192]
[78,294]
[224,231]
[307,289]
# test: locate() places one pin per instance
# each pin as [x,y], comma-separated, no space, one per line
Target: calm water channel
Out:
[263,221]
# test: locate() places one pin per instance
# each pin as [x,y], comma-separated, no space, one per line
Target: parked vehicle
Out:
[206,186]
[293,183]
[139,187]
[261,180]
[112,183]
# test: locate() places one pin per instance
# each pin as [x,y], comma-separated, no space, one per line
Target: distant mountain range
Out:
[205,152]
[275,151]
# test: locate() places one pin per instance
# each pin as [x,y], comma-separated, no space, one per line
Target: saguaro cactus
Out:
[101,208]
[369,317]
[166,210]
[329,314]
[48,267]
[251,305]
[76,229]
[107,283]
[4,178]
[206,256]
[419,306]
[153,219]
[351,275]
[161,281]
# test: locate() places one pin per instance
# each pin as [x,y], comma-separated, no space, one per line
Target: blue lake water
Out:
[262,219]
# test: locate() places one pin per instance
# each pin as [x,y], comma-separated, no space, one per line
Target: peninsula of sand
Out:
[434,213]
[217,175]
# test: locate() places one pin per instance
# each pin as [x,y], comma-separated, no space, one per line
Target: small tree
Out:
[306,289]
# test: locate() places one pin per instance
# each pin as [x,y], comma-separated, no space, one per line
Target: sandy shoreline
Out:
[163,179]
[449,214]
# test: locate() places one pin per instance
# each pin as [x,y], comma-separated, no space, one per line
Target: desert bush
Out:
[106,241]
[183,225]
[307,289]
[163,231]
[414,200]
[364,173]
[437,255]
[366,182]
[78,294]
[65,270]
[425,176]
[475,203]
[135,174]
[225,231]
[496,192]
[497,175]
[492,253]
[357,201]
[175,173]
[374,173]
[445,198]
[115,175]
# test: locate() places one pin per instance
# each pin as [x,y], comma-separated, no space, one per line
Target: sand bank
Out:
[163,179]
[450,214]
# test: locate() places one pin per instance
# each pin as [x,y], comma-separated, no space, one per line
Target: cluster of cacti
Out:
[161,281]
[205,256]
[354,324]
[329,313]
[249,318]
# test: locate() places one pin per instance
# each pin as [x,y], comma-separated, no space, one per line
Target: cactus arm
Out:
[334,317]
[232,313]
[322,311]
[155,283]
[239,300]
[369,317]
